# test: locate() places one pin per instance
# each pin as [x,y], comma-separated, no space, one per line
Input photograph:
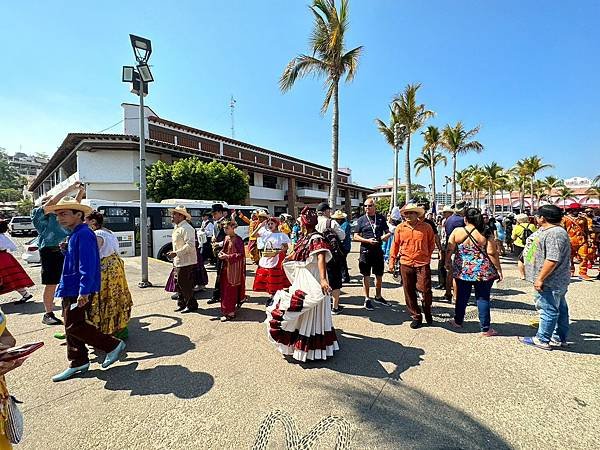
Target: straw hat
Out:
[69,203]
[447,209]
[522,218]
[180,209]
[263,213]
[339,215]
[412,207]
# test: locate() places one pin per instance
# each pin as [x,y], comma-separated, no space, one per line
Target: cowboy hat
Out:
[180,209]
[411,207]
[447,209]
[263,213]
[217,207]
[339,215]
[69,203]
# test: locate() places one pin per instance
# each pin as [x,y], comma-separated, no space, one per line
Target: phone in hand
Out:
[19,352]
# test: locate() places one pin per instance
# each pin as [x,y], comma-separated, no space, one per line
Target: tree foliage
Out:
[383,204]
[10,195]
[191,178]
[24,207]
[9,178]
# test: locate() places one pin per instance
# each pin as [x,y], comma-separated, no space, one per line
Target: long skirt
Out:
[111,307]
[270,280]
[12,275]
[231,296]
[200,274]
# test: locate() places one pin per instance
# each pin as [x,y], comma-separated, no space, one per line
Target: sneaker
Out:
[557,343]
[368,305]
[535,342]
[213,301]
[337,310]
[585,277]
[175,296]
[51,319]
[381,301]
[416,324]
[23,299]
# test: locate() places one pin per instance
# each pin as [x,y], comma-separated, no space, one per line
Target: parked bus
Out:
[123,219]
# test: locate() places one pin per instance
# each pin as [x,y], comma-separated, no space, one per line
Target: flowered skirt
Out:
[270,280]
[12,275]
[111,307]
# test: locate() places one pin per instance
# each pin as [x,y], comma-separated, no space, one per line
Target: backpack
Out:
[335,245]
[526,233]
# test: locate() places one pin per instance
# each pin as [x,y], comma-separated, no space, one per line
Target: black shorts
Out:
[334,275]
[371,259]
[52,265]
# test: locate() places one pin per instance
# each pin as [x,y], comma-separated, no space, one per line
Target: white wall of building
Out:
[131,119]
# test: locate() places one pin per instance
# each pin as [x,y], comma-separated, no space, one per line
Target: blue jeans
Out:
[554,315]
[483,291]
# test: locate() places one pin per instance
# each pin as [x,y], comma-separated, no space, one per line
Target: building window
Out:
[269,181]
[279,210]
[302,185]
[251,178]
[321,187]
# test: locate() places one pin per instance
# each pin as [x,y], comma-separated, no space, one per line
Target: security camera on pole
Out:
[140,76]
[399,134]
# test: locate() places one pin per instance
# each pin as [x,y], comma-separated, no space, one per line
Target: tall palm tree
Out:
[550,183]
[388,132]
[456,140]
[596,181]
[493,174]
[463,180]
[505,184]
[330,60]
[594,191]
[565,194]
[431,157]
[412,116]
[534,164]
[520,172]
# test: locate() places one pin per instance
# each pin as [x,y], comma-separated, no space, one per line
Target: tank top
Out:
[471,262]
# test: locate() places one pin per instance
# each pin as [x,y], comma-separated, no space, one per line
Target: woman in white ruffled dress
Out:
[299,319]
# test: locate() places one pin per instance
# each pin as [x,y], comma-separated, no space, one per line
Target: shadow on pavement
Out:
[388,315]
[31,307]
[407,418]
[368,357]
[156,342]
[176,380]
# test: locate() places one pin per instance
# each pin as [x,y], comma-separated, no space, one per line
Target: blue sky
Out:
[526,71]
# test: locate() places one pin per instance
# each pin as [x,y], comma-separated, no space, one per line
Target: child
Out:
[233,275]
[12,275]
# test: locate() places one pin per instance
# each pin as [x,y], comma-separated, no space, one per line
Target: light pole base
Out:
[144,284]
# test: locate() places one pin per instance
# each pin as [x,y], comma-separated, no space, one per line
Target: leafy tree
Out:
[456,140]
[10,195]
[412,115]
[330,60]
[191,178]
[9,178]
[24,207]
[383,205]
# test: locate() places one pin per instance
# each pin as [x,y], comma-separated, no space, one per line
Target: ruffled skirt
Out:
[270,280]
[12,275]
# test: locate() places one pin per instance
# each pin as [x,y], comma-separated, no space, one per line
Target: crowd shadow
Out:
[168,379]
[30,307]
[395,314]
[365,356]
[405,417]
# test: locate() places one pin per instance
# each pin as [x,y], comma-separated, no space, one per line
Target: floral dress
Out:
[472,263]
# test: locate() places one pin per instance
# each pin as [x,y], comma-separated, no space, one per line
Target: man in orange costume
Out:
[577,228]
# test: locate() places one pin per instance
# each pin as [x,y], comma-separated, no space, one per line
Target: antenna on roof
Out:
[232,109]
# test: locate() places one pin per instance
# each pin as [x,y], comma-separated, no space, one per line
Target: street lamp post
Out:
[398,141]
[140,76]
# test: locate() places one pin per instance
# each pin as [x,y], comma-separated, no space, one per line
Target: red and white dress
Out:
[12,275]
[299,319]
[270,276]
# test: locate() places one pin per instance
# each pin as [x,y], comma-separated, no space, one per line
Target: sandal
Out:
[489,333]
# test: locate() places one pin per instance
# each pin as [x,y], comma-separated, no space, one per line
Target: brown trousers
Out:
[417,279]
[80,332]
[184,281]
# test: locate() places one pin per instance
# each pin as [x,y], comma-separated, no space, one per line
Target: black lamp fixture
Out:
[142,48]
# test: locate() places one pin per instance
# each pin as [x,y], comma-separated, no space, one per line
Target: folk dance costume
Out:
[577,229]
[233,275]
[299,319]
[217,245]
[270,276]
[12,275]
[111,307]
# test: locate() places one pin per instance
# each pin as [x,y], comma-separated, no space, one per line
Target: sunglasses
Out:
[369,206]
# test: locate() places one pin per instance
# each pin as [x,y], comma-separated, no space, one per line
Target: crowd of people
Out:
[301,265]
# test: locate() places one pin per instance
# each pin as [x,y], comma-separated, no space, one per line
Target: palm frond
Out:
[298,67]
[350,62]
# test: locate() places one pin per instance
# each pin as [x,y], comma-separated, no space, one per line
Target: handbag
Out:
[14,421]
[269,251]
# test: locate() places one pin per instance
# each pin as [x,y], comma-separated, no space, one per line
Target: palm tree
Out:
[412,116]
[565,194]
[550,183]
[431,157]
[534,165]
[596,181]
[594,191]
[388,132]
[330,60]
[493,174]
[456,140]
[520,171]
[463,179]
[505,184]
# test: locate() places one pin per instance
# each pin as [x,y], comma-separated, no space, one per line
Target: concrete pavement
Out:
[190,381]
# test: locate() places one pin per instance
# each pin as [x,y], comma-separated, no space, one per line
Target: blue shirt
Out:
[81,270]
[347,244]
[452,222]
[50,233]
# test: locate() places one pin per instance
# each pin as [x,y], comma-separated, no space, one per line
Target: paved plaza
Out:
[192,382]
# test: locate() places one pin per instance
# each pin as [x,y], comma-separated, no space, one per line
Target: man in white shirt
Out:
[334,266]
[184,259]
[208,229]
[218,214]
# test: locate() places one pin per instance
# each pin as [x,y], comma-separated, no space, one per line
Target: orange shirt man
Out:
[414,243]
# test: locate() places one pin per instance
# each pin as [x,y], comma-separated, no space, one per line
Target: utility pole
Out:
[232,110]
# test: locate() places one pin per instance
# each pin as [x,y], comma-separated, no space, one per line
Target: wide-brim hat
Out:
[412,207]
[339,215]
[217,207]
[522,217]
[69,203]
[263,213]
[323,206]
[180,209]
[447,209]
